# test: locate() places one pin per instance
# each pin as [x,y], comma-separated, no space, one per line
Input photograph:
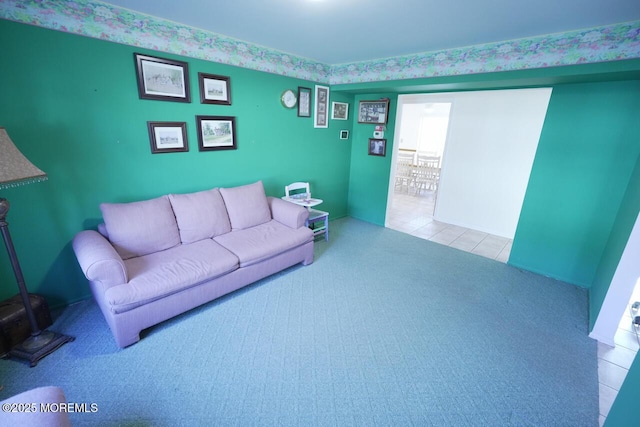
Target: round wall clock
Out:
[289,98]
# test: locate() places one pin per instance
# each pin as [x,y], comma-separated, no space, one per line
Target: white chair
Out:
[429,159]
[404,170]
[427,173]
[300,193]
[291,191]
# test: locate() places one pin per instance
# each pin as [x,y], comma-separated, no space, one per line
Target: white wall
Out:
[492,140]
[620,291]
[411,115]
[423,127]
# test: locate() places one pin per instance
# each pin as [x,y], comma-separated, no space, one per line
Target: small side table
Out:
[315,216]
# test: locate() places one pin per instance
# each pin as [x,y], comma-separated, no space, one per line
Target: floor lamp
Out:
[16,170]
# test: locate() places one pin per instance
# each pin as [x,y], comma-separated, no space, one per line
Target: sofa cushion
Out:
[247,205]
[200,215]
[264,241]
[160,274]
[141,228]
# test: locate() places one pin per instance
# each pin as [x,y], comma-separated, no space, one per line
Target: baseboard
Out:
[601,338]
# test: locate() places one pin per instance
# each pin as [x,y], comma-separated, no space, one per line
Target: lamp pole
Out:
[15,170]
[40,343]
[4,225]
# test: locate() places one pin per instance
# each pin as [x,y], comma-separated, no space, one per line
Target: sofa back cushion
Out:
[200,215]
[141,228]
[247,205]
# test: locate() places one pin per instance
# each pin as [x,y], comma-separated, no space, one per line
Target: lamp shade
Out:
[15,168]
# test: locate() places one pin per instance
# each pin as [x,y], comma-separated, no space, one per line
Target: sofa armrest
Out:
[288,213]
[98,259]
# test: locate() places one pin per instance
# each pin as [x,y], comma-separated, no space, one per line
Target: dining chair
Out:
[427,173]
[404,171]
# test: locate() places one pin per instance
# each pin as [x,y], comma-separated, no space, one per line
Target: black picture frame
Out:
[304,101]
[162,79]
[339,111]
[216,133]
[168,137]
[377,147]
[373,112]
[214,89]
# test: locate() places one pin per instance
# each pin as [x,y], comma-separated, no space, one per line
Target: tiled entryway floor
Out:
[414,215]
[614,362]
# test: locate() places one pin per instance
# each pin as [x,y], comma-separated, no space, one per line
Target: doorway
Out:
[487,141]
[420,156]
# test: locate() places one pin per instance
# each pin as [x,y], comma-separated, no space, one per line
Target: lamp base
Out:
[38,346]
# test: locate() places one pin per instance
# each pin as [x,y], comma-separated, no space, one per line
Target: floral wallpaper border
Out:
[106,22]
[610,43]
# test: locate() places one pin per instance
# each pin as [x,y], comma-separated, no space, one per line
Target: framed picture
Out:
[162,79]
[214,89]
[168,137]
[344,134]
[304,102]
[377,147]
[321,113]
[375,112]
[216,133]
[339,110]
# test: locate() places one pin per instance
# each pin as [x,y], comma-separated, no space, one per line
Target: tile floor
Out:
[614,362]
[414,215]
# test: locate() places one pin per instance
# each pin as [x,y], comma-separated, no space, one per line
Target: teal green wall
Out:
[581,202]
[588,148]
[369,179]
[584,190]
[71,105]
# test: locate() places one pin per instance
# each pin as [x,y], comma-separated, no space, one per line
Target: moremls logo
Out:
[69,407]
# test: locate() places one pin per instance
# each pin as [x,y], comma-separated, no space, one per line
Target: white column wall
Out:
[493,137]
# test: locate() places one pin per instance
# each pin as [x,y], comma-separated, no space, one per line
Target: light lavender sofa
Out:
[152,260]
[37,407]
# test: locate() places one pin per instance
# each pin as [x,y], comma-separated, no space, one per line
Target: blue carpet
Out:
[383,329]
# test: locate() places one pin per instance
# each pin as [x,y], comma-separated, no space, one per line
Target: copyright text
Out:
[50,407]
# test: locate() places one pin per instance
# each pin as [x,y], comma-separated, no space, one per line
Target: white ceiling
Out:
[344,31]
